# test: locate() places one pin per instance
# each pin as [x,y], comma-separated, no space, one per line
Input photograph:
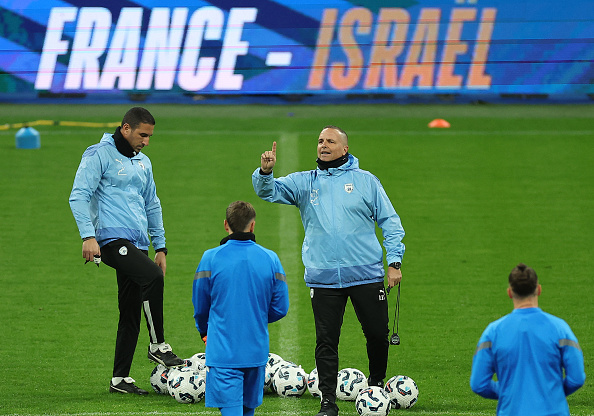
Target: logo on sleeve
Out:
[123,250]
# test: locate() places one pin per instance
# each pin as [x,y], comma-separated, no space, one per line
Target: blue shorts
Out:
[227,387]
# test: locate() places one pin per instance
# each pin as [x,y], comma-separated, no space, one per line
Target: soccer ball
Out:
[200,357]
[289,381]
[350,382]
[373,401]
[193,364]
[186,386]
[172,373]
[196,365]
[274,359]
[272,366]
[313,383]
[403,392]
[286,363]
[274,363]
[158,379]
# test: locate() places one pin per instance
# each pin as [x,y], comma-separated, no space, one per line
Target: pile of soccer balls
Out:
[187,385]
[287,379]
[400,392]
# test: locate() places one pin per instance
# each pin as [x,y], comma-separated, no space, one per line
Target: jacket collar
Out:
[322,165]
[122,144]
[240,236]
[352,163]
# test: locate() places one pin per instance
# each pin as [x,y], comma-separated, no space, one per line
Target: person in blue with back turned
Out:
[239,288]
[340,205]
[528,350]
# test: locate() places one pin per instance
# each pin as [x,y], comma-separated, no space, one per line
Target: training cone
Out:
[439,123]
[27,138]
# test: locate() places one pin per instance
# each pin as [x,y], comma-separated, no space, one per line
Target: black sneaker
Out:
[127,386]
[328,408]
[379,383]
[165,356]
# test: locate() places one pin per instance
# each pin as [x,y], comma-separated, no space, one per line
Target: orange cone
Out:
[439,123]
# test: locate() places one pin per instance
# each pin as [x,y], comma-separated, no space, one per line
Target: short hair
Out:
[341,131]
[523,280]
[239,214]
[137,115]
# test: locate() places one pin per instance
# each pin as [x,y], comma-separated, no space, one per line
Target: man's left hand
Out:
[161,261]
[394,276]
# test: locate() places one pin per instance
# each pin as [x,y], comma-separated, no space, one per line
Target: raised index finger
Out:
[274,148]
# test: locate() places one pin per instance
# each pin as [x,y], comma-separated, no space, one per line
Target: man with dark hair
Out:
[340,205]
[529,350]
[239,288]
[523,281]
[114,202]
[136,116]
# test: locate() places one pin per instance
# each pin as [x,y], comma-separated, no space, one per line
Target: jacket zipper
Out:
[332,190]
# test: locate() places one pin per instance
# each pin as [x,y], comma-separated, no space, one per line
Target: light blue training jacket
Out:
[339,208]
[114,196]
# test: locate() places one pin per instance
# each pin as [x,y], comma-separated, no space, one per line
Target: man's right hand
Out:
[90,248]
[268,159]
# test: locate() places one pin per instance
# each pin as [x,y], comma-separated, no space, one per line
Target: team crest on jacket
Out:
[349,187]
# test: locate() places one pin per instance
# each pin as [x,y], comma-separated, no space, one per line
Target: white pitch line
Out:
[289,247]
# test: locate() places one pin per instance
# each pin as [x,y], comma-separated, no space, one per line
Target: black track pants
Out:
[140,287]
[371,308]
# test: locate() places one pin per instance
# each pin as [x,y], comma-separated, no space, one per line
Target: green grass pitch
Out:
[503,185]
